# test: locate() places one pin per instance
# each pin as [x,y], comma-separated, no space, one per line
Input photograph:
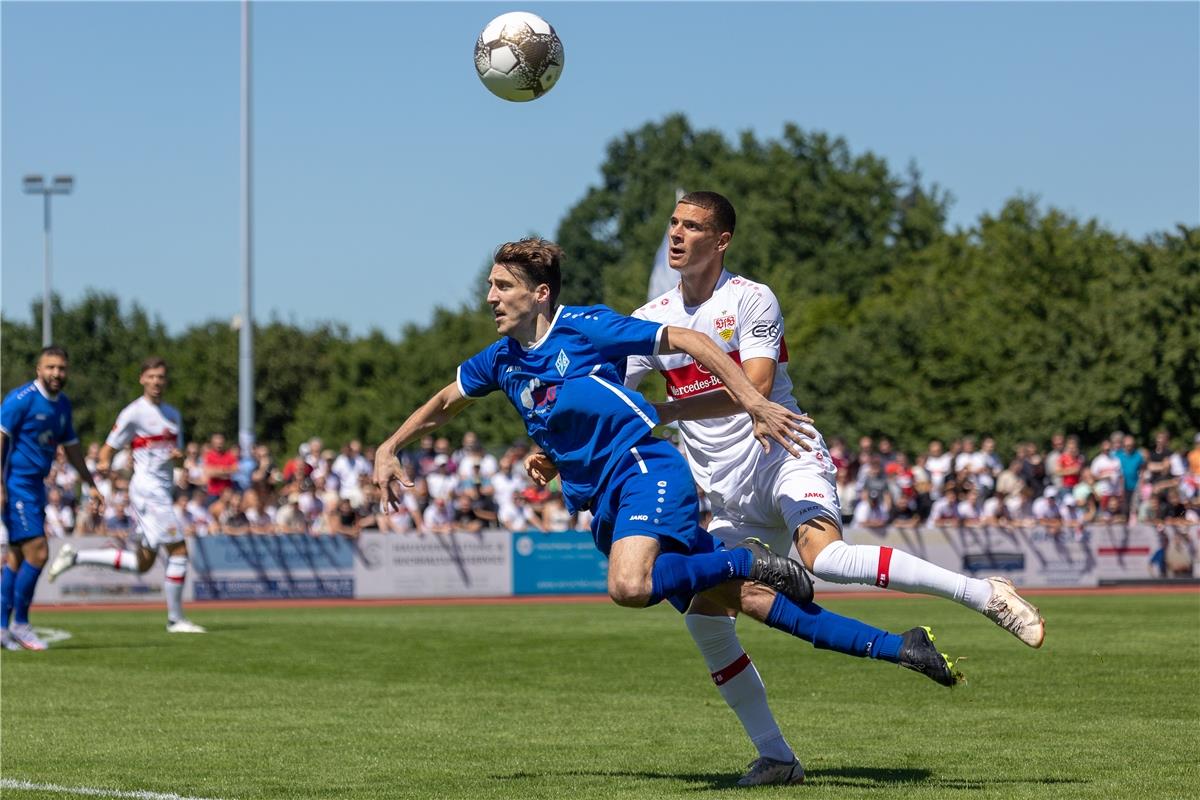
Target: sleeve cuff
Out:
[658,337]
[760,352]
[458,381]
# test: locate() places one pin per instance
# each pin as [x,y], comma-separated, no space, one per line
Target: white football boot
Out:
[1014,613]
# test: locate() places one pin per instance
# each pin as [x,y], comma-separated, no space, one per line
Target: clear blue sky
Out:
[385,173]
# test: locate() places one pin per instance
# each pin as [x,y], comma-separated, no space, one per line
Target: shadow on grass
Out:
[853,777]
[875,777]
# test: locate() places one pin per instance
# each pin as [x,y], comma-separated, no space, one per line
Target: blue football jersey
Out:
[35,426]
[568,389]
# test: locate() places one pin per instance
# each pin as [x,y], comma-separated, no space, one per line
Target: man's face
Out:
[515,306]
[218,442]
[154,382]
[694,240]
[52,372]
[1130,444]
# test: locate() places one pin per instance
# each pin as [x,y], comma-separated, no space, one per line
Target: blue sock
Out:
[26,582]
[830,631]
[676,574]
[8,583]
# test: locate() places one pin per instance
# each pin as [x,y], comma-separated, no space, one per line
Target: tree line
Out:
[1028,322]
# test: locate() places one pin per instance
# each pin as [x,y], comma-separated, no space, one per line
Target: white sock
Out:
[738,682]
[112,557]
[173,586]
[895,569]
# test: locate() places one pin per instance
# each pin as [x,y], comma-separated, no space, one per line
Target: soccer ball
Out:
[518,56]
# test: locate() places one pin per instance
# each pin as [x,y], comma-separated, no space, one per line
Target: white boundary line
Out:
[8,783]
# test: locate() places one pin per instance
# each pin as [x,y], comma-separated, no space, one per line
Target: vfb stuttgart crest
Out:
[725,326]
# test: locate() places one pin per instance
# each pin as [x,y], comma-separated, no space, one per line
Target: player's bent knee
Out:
[628,592]
[813,538]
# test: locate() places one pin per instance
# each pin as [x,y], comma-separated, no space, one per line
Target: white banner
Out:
[432,565]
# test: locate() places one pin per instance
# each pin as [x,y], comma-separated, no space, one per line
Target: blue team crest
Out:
[562,362]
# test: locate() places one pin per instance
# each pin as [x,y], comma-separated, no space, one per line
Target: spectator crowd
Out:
[320,490]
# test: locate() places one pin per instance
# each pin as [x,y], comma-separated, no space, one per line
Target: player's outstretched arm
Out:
[436,412]
[760,371]
[771,420]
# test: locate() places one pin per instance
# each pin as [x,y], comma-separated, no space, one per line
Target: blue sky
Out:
[385,174]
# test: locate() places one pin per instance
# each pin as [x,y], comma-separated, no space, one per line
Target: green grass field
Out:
[593,701]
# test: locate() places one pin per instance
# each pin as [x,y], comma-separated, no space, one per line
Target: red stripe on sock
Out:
[732,671]
[885,563]
[174,579]
[117,560]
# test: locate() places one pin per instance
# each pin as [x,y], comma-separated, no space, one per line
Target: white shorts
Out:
[155,520]
[776,500]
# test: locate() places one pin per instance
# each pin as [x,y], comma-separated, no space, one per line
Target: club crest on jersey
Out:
[725,326]
[562,362]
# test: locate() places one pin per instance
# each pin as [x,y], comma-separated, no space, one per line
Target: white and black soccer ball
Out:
[518,56]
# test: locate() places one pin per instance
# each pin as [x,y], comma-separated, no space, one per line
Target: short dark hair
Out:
[724,217]
[535,261]
[53,350]
[153,362]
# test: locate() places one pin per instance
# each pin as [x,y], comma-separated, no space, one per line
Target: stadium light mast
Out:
[36,184]
[246,331]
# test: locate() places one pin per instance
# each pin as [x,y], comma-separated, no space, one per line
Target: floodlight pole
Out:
[36,184]
[246,332]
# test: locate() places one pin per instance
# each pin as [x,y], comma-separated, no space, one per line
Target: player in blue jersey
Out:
[35,419]
[558,367]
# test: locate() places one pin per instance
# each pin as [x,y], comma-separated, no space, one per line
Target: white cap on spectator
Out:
[1050,491]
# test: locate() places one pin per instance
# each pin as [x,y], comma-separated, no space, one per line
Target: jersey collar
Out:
[546,335]
[722,279]
[41,387]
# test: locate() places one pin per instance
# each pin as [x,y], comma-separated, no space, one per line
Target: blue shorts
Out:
[24,519]
[651,492]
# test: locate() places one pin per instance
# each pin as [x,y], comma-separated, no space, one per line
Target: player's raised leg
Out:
[823,551]
[113,558]
[805,496]
[737,680]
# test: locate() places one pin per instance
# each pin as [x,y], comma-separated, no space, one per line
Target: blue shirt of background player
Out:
[569,391]
[35,425]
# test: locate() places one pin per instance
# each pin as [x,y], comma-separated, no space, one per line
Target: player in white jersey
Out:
[775,496]
[154,431]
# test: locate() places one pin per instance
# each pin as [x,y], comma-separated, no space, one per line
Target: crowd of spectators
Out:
[966,483]
[320,490]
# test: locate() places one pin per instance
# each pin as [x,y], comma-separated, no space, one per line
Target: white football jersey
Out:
[152,432]
[743,318]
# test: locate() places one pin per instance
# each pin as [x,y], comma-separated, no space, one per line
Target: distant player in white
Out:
[154,431]
[780,498]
